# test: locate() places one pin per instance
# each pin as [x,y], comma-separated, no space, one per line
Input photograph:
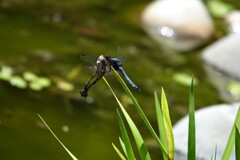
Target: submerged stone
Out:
[224,55]
[213,127]
[178,25]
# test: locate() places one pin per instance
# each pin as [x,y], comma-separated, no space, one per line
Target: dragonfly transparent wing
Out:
[119,55]
[88,59]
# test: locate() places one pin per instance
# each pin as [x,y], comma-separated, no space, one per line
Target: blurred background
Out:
[41,70]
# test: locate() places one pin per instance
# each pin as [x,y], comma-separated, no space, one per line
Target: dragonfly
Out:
[103,65]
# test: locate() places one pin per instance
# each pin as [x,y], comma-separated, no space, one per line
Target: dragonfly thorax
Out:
[114,62]
[102,65]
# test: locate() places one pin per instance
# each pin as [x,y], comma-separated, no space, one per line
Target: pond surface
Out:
[47,39]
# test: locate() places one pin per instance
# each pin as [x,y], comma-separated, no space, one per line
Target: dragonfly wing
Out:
[89,67]
[88,59]
[127,78]
[119,55]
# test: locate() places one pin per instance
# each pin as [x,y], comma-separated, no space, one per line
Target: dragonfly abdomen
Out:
[120,69]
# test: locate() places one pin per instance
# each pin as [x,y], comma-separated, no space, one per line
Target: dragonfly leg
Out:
[86,87]
[101,69]
[99,76]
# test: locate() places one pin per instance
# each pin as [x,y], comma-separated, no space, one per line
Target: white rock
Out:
[213,127]
[233,21]
[179,25]
[224,55]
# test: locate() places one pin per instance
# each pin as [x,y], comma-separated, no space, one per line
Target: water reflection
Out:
[57,17]
[227,86]
[166,31]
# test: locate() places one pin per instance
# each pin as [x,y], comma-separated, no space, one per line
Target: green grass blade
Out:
[168,126]
[160,121]
[237,142]
[214,157]
[71,155]
[231,139]
[122,145]
[144,154]
[141,113]
[118,152]
[191,125]
[126,141]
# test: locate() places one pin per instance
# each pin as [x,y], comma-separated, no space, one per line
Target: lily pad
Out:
[43,81]
[29,76]
[234,89]
[6,73]
[184,79]
[219,9]
[18,82]
[65,86]
[35,86]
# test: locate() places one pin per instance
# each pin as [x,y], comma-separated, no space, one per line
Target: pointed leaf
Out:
[214,156]
[237,143]
[168,125]
[122,145]
[160,121]
[127,144]
[231,140]
[141,113]
[118,152]
[144,154]
[191,125]
[71,155]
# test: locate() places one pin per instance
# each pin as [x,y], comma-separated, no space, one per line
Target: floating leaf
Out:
[6,73]
[4,77]
[18,82]
[43,81]
[219,9]
[234,89]
[65,86]
[35,86]
[29,76]
[184,79]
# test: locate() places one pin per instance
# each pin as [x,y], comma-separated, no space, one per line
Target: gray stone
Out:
[213,127]
[178,25]
[224,55]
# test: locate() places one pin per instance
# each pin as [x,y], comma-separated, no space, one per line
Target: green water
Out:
[47,38]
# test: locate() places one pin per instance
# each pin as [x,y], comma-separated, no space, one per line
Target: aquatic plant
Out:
[33,81]
[165,138]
